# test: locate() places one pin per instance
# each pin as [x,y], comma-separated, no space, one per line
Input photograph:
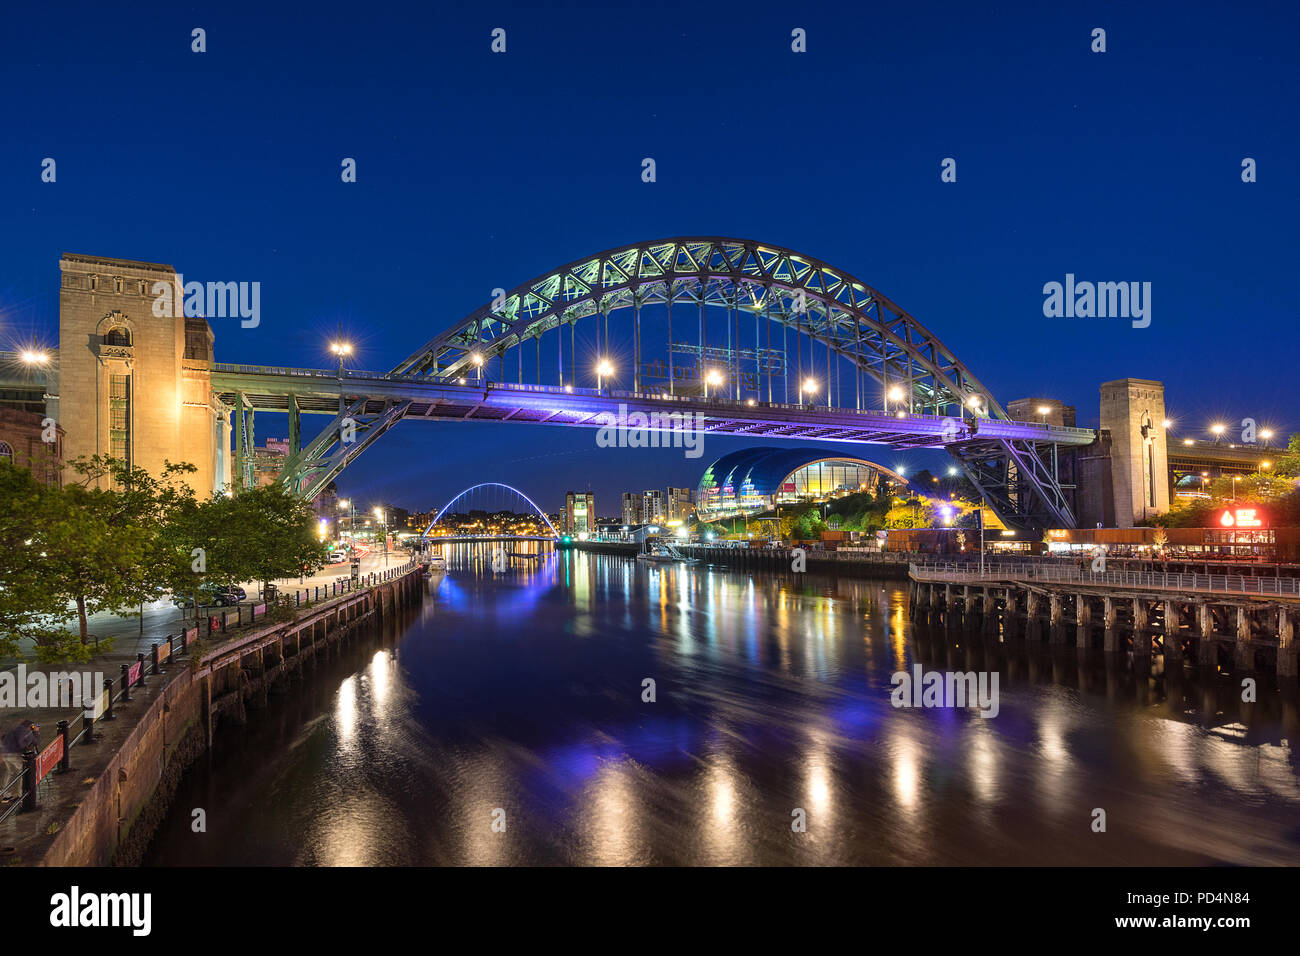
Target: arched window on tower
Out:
[6,452]
[117,336]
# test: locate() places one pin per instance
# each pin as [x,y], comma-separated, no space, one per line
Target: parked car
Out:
[338,557]
[210,594]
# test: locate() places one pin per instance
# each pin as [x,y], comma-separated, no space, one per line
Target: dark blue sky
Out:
[478,170]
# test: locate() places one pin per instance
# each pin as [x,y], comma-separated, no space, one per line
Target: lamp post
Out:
[895,394]
[603,370]
[809,386]
[1043,410]
[342,349]
[345,504]
[478,365]
[382,516]
[1217,430]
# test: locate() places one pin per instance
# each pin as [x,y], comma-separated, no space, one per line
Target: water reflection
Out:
[516,698]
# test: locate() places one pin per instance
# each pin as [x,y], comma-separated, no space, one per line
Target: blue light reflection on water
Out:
[522,691]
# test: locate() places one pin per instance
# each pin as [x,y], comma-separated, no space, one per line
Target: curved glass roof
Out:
[760,471]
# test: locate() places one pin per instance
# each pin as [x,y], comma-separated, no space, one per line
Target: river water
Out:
[503,722]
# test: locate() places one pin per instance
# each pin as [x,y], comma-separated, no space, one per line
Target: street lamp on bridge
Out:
[895,394]
[342,349]
[712,377]
[603,371]
[809,386]
[1217,430]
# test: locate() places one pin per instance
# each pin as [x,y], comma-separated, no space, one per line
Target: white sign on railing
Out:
[97,706]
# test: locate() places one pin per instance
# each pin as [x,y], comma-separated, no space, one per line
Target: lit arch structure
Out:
[827,305]
[489,484]
[904,387]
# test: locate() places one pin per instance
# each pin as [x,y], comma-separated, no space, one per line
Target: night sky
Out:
[478,170]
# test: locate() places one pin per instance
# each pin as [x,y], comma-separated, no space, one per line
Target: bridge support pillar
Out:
[1009,608]
[1173,631]
[1108,612]
[1031,605]
[1286,647]
[1055,610]
[1082,610]
[1141,635]
[935,595]
[1244,651]
[947,598]
[1207,651]
[989,609]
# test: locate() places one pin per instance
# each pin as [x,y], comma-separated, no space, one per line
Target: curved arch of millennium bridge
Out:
[472,489]
[743,337]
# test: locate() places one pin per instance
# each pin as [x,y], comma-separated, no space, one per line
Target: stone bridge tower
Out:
[1133,411]
[133,384]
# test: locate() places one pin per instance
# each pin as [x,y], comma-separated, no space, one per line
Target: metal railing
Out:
[1235,584]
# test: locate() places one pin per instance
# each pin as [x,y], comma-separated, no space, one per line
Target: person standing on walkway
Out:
[22,735]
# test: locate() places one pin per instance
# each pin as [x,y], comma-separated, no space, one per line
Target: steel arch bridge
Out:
[489,484]
[863,370]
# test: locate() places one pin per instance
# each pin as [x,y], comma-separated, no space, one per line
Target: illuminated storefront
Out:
[1239,532]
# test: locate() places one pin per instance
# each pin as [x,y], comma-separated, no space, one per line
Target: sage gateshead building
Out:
[758,479]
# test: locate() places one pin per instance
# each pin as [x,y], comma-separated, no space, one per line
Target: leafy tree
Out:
[1288,462]
[262,534]
[100,545]
[28,606]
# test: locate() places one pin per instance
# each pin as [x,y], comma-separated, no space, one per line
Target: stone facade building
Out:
[23,443]
[136,384]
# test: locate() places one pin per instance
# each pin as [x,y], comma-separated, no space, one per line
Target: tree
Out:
[100,547]
[264,533]
[1288,462]
[29,609]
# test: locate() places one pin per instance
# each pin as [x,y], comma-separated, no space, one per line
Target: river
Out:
[505,722]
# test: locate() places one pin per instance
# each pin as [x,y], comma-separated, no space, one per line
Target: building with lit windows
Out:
[579,512]
[758,479]
[652,507]
[680,507]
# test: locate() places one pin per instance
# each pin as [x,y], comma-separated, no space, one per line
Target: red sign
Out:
[788,486]
[49,758]
[133,675]
[1241,518]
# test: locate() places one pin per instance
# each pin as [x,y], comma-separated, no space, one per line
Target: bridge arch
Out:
[489,484]
[910,390]
[851,320]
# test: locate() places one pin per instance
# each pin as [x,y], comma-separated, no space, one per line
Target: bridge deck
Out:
[317,391]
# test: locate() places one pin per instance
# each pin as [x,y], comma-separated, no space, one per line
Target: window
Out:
[119,406]
[117,336]
[6,452]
